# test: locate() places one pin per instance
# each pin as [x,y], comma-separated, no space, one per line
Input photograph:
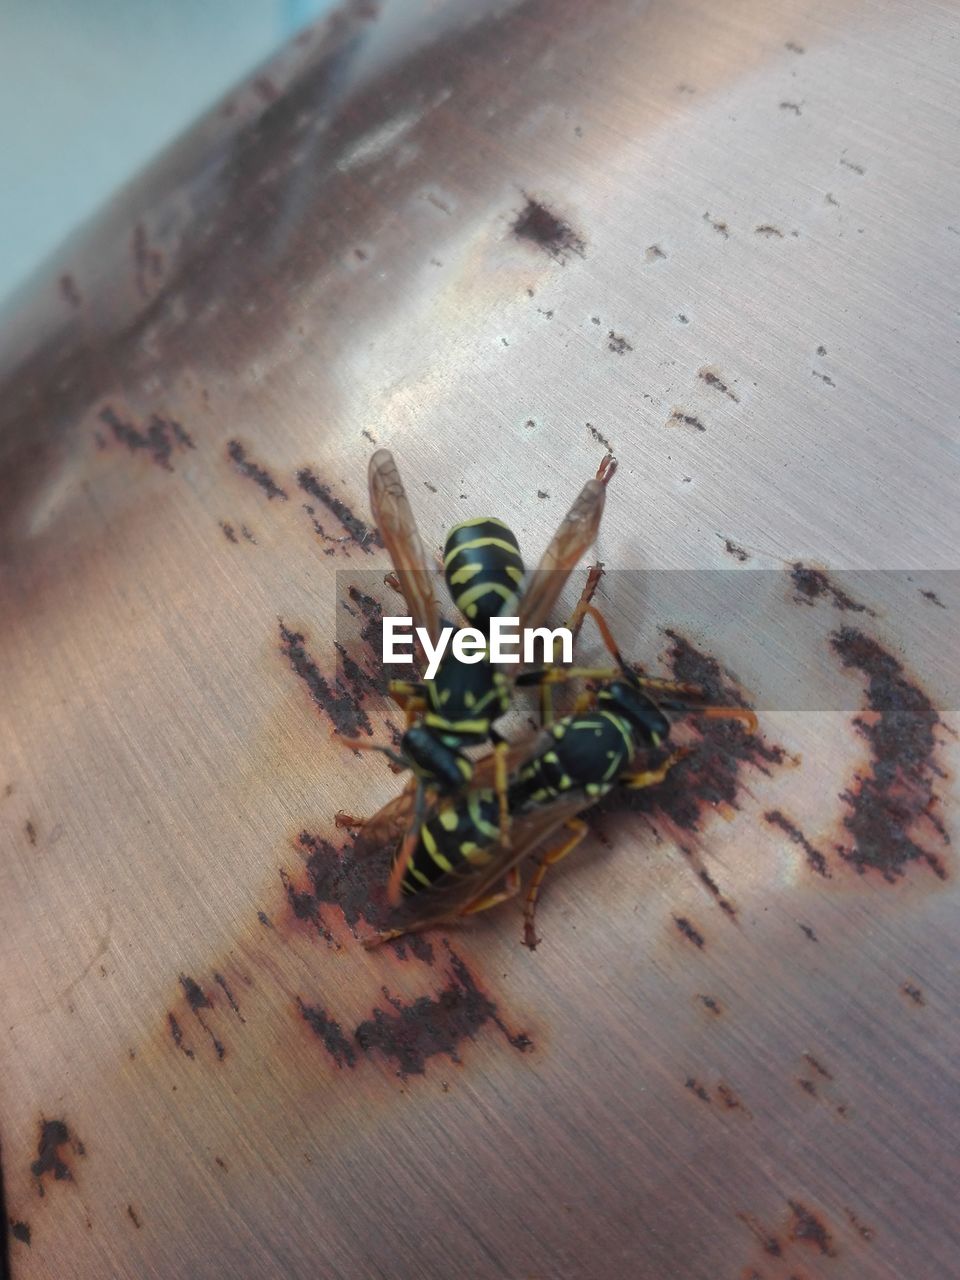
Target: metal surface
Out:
[722,238]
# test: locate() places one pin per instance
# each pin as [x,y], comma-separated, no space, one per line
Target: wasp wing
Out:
[576,534]
[398,529]
[451,895]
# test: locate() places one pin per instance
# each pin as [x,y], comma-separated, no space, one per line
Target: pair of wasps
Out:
[462,828]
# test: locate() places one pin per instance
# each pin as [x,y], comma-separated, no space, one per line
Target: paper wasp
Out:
[458,865]
[484,573]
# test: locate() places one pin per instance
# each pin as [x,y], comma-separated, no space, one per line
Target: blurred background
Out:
[90,91]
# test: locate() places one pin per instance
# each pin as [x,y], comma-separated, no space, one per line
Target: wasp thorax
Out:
[643,714]
[484,569]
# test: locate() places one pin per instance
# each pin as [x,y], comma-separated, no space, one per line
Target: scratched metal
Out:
[492,237]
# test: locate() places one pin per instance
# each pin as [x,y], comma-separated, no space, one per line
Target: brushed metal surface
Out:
[490,237]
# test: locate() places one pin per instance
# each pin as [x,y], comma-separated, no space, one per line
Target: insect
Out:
[483,569]
[458,865]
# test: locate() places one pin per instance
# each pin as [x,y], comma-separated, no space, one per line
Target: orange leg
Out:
[578,829]
[653,777]
[397,762]
[511,887]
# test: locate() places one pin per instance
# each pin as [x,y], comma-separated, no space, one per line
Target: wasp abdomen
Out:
[483,569]
[458,838]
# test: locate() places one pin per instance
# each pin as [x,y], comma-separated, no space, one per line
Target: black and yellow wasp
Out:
[484,573]
[458,865]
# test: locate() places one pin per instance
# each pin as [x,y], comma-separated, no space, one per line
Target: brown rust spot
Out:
[680,418]
[339,701]
[766,1239]
[177,1034]
[198,999]
[329,1032]
[933,598]
[731,1101]
[817,1066]
[357,531]
[132,1215]
[718,226]
[714,379]
[31,832]
[618,344]
[896,793]
[20,1230]
[711,1003]
[228,532]
[738,553]
[221,982]
[815,859]
[689,931]
[600,437]
[411,1034]
[809,932]
[807,1228]
[708,777]
[538,224]
[914,993]
[865,1232]
[767,229]
[54,1135]
[813,584]
[251,470]
[697,1088]
[161,438]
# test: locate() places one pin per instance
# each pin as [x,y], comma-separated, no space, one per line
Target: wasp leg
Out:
[575,621]
[348,820]
[578,829]
[653,777]
[407,848]
[511,887]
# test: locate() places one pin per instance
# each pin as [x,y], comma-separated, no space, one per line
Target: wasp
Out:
[458,865]
[484,572]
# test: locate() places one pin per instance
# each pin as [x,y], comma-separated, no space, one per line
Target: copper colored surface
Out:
[489,237]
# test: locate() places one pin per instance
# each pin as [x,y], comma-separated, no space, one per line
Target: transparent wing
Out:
[398,529]
[576,535]
[452,894]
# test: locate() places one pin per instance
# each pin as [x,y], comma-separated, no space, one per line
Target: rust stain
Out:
[409,1035]
[177,1033]
[198,999]
[618,344]
[161,438]
[54,1135]
[260,476]
[538,224]
[815,859]
[738,553]
[689,931]
[20,1230]
[357,531]
[338,701]
[329,1032]
[132,1215]
[713,378]
[807,1228]
[896,791]
[683,419]
[811,585]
